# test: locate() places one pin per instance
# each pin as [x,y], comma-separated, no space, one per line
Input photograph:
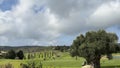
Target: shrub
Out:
[31,64]
[9,65]
[11,54]
[20,54]
[24,65]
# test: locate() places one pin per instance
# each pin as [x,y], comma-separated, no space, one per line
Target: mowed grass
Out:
[16,63]
[65,61]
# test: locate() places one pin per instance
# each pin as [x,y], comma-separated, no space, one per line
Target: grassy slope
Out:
[65,61]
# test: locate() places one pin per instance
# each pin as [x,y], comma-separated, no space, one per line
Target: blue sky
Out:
[55,22]
[8,4]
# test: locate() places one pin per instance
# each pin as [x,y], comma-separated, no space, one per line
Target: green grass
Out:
[65,61]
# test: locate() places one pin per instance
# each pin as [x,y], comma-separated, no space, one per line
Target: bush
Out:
[24,65]
[11,54]
[7,66]
[31,64]
[20,54]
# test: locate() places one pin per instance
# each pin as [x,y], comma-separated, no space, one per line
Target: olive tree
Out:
[93,45]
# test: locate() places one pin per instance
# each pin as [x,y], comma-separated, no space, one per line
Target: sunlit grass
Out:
[65,61]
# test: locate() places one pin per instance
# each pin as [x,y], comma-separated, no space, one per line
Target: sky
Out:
[55,22]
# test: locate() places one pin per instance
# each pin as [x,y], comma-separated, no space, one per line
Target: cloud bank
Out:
[47,22]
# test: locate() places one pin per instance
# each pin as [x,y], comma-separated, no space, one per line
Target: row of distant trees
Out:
[62,48]
[43,55]
[11,54]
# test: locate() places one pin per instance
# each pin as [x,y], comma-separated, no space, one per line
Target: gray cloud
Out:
[79,15]
[106,15]
[64,8]
[55,18]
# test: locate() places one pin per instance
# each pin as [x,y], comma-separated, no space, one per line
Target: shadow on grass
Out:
[117,66]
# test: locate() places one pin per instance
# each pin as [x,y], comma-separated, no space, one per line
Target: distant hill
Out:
[33,48]
[25,48]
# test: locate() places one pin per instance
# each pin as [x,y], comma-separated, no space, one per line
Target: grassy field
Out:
[65,61]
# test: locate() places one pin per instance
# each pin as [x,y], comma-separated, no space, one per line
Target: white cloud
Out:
[23,25]
[106,15]
[74,16]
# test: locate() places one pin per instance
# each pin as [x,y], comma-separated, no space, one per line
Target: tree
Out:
[28,56]
[75,46]
[93,45]
[20,54]
[11,54]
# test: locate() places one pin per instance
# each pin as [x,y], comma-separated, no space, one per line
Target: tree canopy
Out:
[93,45]
[11,54]
[20,54]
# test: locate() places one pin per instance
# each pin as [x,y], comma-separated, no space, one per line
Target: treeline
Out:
[26,49]
[42,55]
[11,54]
[31,49]
[62,48]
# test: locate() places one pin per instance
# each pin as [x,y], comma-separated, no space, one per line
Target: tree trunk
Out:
[88,62]
[76,57]
[96,62]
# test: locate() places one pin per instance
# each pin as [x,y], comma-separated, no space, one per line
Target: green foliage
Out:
[62,48]
[44,55]
[20,54]
[11,54]
[31,64]
[26,49]
[40,65]
[109,56]
[24,65]
[93,45]
[75,46]
[65,61]
[28,56]
[8,65]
